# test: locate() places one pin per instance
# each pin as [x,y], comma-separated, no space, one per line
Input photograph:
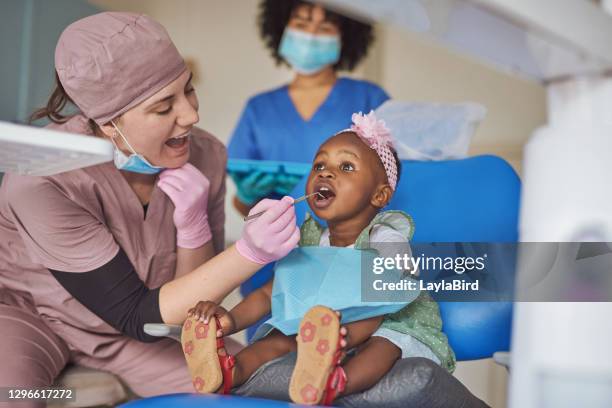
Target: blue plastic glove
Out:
[253,186]
[285,183]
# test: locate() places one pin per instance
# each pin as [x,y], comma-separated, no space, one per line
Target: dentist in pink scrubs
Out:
[88,256]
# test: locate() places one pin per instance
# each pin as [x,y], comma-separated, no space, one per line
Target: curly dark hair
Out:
[355,36]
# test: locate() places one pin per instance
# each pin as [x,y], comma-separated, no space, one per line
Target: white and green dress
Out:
[417,328]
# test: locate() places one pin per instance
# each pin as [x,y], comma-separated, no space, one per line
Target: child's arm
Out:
[252,308]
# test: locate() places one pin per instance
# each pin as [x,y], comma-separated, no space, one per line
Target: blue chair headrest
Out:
[468,200]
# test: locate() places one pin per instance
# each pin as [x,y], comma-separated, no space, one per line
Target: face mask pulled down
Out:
[135,162]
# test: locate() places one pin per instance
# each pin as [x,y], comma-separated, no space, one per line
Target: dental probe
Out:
[297,200]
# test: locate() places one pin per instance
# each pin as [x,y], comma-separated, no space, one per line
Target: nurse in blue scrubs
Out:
[291,122]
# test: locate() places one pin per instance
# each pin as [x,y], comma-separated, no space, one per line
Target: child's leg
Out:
[206,356]
[375,355]
[359,332]
[257,354]
[319,331]
[373,360]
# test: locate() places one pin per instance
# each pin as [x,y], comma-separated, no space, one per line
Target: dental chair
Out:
[468,200]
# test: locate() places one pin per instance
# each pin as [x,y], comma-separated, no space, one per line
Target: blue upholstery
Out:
[469,200]
[208,401]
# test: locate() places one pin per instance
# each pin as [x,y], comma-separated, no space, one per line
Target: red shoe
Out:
[209,370]
[335,384]
[318,376]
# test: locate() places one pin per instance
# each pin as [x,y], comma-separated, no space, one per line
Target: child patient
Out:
[355,173]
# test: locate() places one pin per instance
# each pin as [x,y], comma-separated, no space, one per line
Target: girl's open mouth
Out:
[324,198]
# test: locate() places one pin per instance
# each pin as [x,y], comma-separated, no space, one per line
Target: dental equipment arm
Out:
[34,151]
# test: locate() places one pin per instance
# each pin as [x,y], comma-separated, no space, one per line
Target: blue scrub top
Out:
[270,127]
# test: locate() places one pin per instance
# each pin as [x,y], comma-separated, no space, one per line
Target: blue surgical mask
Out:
[309,53]
[135,163]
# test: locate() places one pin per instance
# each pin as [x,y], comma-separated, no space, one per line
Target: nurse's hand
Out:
[285,183]
[272,235]
[188,189]
[254,186]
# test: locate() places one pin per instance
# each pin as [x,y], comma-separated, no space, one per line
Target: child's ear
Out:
[382,196]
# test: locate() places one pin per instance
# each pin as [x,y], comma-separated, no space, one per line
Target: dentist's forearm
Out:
[264,240]
[188,259]
[212,281]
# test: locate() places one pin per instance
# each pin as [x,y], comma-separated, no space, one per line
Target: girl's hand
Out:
[206,310]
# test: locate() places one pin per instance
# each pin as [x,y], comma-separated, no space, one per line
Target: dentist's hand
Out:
[188,189]
[272,235]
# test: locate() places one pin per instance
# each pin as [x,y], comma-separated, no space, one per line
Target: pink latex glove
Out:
[188,189]
[273,234]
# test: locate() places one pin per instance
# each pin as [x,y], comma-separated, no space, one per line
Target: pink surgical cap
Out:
[110,62]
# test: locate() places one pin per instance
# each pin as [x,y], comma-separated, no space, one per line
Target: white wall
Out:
[232,64]
[414,68]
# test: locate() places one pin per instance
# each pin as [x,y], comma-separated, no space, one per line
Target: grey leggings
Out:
[412,382]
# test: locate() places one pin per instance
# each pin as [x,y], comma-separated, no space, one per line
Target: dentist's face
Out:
[159,128]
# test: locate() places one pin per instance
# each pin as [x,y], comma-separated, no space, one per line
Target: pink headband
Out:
[110,62]
[376,135]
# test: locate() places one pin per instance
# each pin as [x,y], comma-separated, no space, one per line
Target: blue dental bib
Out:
[329,276]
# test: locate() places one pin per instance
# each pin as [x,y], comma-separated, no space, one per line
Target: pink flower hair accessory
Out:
[375,134]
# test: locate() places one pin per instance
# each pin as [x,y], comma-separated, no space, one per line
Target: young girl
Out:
[355,174]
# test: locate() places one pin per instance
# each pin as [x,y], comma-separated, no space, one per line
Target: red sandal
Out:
[209,370]
[336,382]
[227,363]
[317,375]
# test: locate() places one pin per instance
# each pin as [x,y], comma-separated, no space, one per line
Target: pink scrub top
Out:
[77,221]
